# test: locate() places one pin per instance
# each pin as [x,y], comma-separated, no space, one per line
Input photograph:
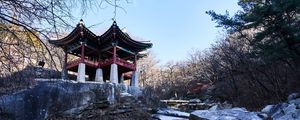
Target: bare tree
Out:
[30,23]
[27,25]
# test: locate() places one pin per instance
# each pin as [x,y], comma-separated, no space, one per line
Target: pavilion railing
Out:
[91,63]
[125,63]
[106,62]
[77,61]
[73,63]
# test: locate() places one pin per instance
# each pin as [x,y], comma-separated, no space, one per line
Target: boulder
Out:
[293,96]
[295,101]
[225,114]
[290,108]
[284,111]
[293,115]
[267,109]
[277,111]
[215,107]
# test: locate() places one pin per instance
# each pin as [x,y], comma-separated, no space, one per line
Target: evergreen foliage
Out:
[276,25]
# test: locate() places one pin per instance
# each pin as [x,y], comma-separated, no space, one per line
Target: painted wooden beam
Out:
[125,58]
[90,52]
[95,49]
[128,51]
[105,49]
[74,47]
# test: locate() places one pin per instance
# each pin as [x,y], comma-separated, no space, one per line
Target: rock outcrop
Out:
[127,107]
[289,110]
[53,98]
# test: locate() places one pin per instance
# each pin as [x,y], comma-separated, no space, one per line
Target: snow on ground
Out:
[165,117]
[172,112]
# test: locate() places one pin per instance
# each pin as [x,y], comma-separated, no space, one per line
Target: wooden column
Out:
[114,67]
[135,61]
[135,77]
[82,53]
[114,54]
[81,66]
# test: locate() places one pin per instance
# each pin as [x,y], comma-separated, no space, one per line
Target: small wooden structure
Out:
[111,56]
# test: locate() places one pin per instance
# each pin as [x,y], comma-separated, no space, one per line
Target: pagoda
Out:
[111,56]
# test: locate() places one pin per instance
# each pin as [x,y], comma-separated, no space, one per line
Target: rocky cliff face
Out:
[50,98]
[127,107]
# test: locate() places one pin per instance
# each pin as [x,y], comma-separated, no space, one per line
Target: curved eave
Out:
[89,33]
[133,42]
[73,35]
[124,37]
[69,38]
[105,35]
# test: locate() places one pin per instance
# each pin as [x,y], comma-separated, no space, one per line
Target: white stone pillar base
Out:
[114,73]
[111,94]
[135,79]
[99,75]
[122,78]
[81,72]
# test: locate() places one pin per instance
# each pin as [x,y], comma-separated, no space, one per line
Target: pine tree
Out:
[276,26]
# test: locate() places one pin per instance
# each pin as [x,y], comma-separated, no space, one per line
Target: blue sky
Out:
[175,27]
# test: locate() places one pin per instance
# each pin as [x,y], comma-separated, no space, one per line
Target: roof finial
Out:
[114,23]
[81,23]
